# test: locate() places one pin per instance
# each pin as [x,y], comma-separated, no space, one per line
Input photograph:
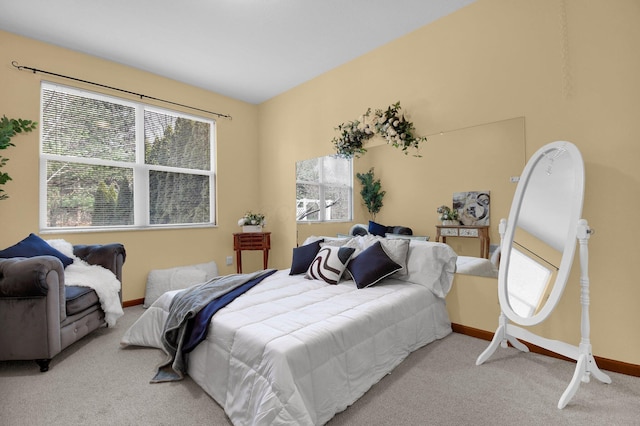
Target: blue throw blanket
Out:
[189,315]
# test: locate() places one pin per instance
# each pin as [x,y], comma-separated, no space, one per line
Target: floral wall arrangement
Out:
[390,124]
[353,134]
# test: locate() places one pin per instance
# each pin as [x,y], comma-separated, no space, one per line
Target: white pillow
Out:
[312,238]
[159,281]
[432,265]
[407,237]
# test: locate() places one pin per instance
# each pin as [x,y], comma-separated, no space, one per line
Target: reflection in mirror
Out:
[528,283]
[473,158]
[533,268]
[323,189]
[543,218]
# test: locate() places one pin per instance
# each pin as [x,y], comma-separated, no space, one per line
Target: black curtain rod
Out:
[34,70]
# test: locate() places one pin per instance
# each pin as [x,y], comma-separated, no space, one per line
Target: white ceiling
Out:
[250,50]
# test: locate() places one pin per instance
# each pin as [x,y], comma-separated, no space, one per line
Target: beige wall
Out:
[573,79]
[570,68]
[151,249]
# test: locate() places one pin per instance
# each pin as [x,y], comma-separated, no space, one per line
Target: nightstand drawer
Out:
[449,232]
[464,232]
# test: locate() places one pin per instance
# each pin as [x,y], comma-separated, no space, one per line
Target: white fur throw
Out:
[102,280]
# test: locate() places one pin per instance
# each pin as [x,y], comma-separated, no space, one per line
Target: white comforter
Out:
[295,351]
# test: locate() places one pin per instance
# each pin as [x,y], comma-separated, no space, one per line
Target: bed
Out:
[294,350]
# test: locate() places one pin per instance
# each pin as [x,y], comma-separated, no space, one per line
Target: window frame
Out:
[140,184]
[322,185]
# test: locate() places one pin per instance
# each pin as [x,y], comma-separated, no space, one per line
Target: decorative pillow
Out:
[396,249]
[329,264]
[377,229]
[354,243]
[372,266]
[33,246]
[303,256]
[159,281]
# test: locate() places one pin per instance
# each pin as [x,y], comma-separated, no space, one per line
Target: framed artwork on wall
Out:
[472,207]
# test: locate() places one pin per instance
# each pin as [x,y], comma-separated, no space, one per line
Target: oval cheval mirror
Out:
[538,244]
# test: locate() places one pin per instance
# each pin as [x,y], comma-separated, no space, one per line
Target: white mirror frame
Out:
[567,248]
[510,333]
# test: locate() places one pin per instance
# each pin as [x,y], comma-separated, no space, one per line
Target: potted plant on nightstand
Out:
[449,217]
[252,222]
[9,127]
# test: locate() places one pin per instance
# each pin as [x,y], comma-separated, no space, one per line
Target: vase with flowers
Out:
[448,216]
[252,222]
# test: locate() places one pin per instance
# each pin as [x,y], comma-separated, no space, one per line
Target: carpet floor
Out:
[95,382]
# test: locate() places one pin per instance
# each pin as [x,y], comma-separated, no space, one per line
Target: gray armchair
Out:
[39,315]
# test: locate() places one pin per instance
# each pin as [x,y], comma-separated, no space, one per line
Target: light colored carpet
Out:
[95,382]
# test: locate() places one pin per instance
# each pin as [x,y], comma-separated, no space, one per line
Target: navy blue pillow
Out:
[371,266]
[33,246]
[377,229]
[303,256]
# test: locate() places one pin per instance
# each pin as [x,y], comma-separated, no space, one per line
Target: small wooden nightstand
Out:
[481,232]
[251,241]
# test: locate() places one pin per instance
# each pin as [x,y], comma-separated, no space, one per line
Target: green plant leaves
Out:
[9,127]
[372,193]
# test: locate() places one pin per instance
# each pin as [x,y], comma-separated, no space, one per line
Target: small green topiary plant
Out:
[9,127]
[372,193]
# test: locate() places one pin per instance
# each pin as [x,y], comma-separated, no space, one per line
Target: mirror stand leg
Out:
[498,337]
[517,343]
[578,374]
[592,368]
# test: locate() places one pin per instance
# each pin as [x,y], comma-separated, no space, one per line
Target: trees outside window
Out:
[109,162]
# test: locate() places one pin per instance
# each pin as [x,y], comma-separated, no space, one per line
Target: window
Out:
[324,188]
[109,162]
